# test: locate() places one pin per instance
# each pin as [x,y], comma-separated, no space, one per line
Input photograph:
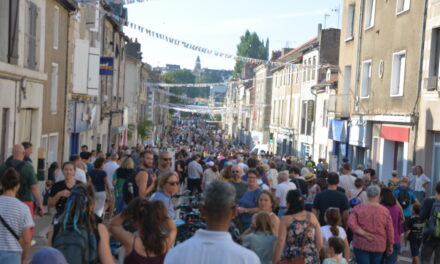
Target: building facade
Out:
[376,104]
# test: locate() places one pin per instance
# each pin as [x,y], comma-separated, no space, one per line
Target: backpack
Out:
[17,168]
[433,225]
[78,246]
[130,189]
[404,198]
[355,200]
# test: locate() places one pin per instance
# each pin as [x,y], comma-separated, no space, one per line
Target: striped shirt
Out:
[18,216]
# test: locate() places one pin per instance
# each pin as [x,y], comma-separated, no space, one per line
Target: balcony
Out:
[339,104]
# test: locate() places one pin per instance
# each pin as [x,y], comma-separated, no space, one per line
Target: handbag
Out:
[9,228]
[300,259]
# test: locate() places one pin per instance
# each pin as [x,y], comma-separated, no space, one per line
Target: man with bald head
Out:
[28,180]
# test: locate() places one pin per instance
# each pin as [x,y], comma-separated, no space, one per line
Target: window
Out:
[309,69]
[304,70]
[398,73]
[435,53]
[303,117]
[56,27]
[31,34]
[54,89]
[402,6]
[350,22]
[366,79]
[314,68]
[324,113]
[370,10]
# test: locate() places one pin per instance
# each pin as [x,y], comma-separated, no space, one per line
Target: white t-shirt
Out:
[210,247]
[80,175]
[346,182]
[359,173]
[327,233]
[18,216]
[282,190]
[419,182]
[110,167]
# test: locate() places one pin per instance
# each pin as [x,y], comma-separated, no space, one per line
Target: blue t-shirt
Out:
[160,196]
[98,179]
[407,211]
[249,200]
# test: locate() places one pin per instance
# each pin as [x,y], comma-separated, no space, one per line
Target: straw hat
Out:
[309,177]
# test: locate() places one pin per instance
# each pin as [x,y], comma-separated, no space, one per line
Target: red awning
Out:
[400,134]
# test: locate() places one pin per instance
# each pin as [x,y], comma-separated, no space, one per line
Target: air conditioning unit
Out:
[431,83]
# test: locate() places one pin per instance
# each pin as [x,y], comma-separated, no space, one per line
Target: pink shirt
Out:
[374,219]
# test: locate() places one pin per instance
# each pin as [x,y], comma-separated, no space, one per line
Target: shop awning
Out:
[338,130]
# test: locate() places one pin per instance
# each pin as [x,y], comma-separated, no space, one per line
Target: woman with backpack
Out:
[77,234]
[155,235]
[60,191]
[125,171]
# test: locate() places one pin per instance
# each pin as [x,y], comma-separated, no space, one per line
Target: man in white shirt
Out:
[195,174]
[110,167]
[283,187]
[346,180]
[359,171]
[214,245]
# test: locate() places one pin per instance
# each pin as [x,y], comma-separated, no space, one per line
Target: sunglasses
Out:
[235,171]
[169,159]
[173,183]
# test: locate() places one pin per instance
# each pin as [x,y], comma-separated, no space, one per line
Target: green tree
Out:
[250,46]
[145,128]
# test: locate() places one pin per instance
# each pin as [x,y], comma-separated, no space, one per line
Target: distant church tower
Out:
[198,68]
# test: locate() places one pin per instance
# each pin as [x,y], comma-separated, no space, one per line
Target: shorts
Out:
[415,248]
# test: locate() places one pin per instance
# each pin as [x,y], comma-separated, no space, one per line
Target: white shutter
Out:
[401,74]
[93,72]
[80,66]
[54,89]
[56,27]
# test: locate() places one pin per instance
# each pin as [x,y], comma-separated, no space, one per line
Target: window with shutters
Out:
[54,89]
[366,79]
[350,22]
[303,117]
[56,27]
[31,36]
[402,6]
[398,73]
[314,68]
[370,11]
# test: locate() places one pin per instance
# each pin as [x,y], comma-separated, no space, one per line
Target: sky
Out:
[218,25]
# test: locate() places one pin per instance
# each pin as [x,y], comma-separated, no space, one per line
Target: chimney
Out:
[319,30]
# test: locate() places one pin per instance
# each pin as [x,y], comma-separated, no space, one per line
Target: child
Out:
[335,248]
[261,240]
[415,233]
[333,229]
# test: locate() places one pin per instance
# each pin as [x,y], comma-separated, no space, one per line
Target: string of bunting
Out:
[197,48]
[124,2]
[208,109]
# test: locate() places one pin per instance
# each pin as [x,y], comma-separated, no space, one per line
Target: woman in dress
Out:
[300,233]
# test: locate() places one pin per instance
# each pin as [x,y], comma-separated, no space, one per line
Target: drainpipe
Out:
[314,92]
[415,112]
[358,57]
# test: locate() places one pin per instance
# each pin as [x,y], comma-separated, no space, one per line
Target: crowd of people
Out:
[123,206]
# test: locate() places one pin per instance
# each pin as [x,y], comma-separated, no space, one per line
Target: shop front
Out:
[359,141]
[339,133]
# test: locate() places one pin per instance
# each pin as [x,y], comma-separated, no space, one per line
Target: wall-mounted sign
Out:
[106,66]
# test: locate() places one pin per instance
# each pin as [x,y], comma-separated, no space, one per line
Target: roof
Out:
[299,48]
